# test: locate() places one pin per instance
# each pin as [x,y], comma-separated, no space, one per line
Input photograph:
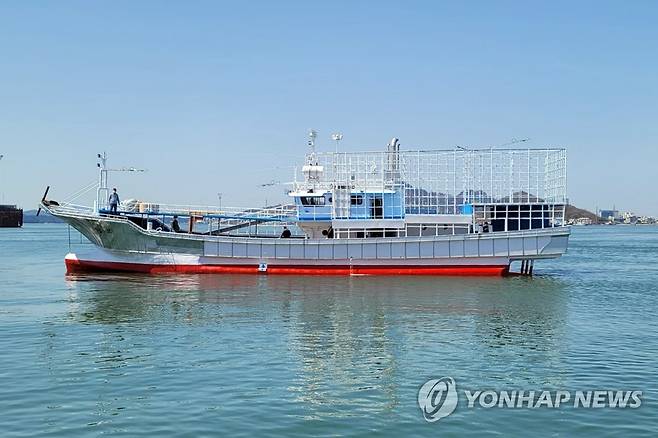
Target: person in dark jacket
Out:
[175,225]
[114,201]
[286,233]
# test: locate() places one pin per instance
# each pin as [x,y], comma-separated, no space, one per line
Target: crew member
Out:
[175,225]
[114,201]
[286,233]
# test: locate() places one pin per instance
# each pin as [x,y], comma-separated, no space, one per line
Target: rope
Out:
[82,191]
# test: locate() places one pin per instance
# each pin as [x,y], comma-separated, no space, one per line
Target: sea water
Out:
[229,355]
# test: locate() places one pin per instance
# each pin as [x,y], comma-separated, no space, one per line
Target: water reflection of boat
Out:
[336,337]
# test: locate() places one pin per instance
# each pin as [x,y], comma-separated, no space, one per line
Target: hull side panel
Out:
[88,266]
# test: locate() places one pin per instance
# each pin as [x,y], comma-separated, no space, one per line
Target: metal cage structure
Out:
[445,181]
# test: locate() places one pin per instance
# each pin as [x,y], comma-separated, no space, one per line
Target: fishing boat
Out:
[390,212]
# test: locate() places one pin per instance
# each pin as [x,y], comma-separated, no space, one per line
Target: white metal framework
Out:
[441,181]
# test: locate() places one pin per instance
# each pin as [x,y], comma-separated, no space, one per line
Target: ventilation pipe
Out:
[393,154]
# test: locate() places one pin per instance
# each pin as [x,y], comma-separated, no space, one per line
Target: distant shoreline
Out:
[30,217]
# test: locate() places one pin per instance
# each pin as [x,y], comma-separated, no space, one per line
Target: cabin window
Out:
[312,200]
[356,200]
[377,207]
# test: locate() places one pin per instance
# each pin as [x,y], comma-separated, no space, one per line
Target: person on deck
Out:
[175,225]
[114,201]
[286,233]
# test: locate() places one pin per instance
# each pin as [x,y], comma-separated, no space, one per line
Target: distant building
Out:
[629,217]
[583,221]
[610,215]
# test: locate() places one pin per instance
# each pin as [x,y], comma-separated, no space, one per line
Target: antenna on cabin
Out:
[337,137]
[312,135]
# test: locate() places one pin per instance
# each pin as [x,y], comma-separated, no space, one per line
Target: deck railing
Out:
[72,209]
[276,212]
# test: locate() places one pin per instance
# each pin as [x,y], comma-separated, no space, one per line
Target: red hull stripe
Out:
[73,266]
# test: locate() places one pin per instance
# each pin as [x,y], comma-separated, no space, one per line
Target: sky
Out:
[217,97]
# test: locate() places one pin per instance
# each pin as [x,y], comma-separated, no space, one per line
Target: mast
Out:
[102,192]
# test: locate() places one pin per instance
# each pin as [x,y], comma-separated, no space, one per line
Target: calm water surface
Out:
[245,355]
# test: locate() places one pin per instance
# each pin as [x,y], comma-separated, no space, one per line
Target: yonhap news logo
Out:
[438,398]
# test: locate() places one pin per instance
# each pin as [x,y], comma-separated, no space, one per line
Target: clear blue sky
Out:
[217,97]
